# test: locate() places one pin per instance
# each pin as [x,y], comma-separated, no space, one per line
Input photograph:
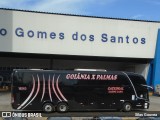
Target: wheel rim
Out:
[128,107]
[48,108]
[62,108]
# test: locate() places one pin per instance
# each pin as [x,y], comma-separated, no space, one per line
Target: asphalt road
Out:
[5,99]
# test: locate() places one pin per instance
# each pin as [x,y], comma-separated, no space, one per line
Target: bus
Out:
[73,90]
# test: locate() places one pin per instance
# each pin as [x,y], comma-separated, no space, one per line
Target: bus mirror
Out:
[147,86]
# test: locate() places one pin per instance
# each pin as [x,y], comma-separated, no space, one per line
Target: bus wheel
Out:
[127,107]
[62,107]
[48,107]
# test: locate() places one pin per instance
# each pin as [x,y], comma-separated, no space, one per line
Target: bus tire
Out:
[127,107]
[48,107]
[62,107]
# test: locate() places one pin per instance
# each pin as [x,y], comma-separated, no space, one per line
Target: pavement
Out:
[5,99]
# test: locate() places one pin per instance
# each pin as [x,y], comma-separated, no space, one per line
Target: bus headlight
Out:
[145,105]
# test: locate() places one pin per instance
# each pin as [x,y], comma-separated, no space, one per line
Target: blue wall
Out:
[155,71]
[150,74]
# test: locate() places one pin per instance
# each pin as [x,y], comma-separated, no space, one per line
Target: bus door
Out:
[101,97]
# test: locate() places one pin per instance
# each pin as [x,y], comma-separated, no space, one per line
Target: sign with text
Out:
[31,32]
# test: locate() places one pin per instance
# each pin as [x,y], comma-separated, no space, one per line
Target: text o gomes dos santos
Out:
[20,32]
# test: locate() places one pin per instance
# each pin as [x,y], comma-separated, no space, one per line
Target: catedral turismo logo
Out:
[18,114]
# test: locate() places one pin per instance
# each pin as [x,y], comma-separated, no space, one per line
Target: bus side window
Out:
[137,80]
[69,82]
[123,80]
[27,78]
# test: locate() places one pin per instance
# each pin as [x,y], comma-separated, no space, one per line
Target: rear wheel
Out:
[62,107]
[48,107]
[127,107]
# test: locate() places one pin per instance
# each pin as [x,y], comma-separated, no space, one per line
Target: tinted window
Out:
[137,80]
[20,78]
[123,80]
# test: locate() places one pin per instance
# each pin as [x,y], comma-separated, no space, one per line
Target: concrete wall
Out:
[73,64]
[142,69]
[24,62]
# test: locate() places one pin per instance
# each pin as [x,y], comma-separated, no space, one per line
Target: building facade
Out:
[58,41]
